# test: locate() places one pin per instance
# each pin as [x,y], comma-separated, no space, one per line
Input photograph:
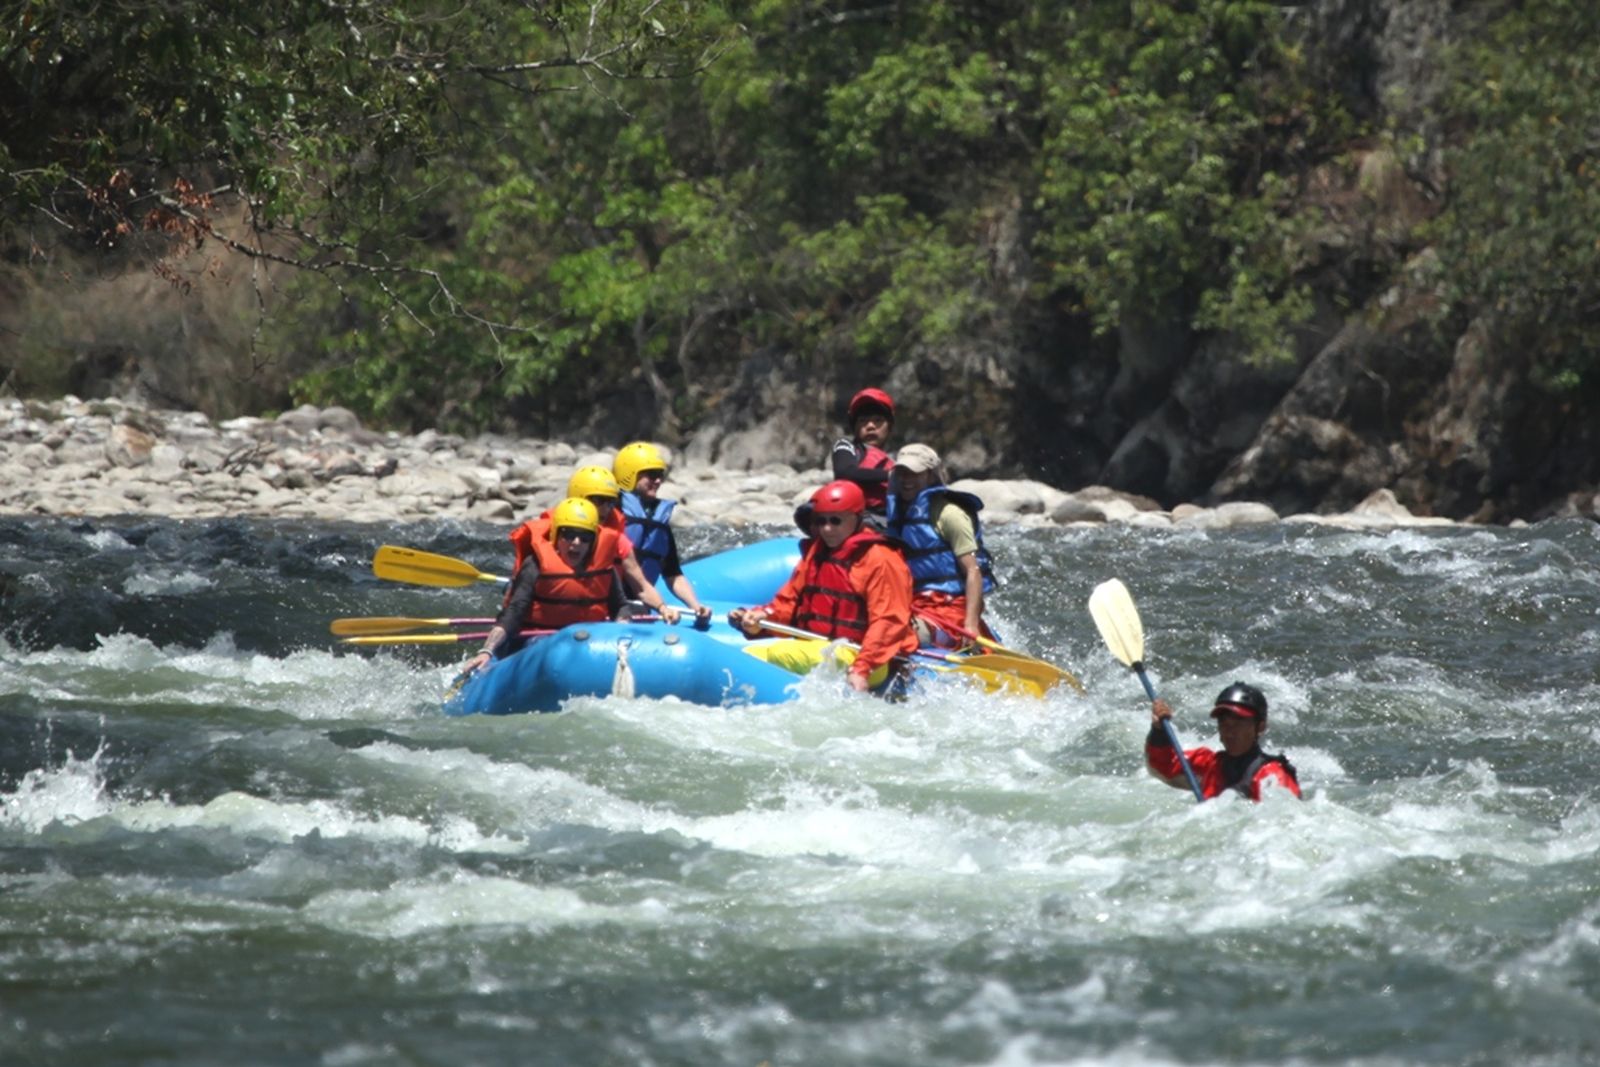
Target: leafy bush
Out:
[1517,243]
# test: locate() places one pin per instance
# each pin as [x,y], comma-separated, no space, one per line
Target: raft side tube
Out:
[749,574]
[623,659]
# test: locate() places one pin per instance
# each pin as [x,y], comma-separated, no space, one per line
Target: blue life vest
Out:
[932,563]
[651,534]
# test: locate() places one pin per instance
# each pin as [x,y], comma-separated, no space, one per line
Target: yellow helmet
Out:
[574,513]
[592,481]
[631,459]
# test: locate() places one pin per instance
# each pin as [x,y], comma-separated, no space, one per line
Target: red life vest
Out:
[877,493]
[829,605]
[561,595]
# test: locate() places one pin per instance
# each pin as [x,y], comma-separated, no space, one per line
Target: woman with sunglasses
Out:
[850,583]
[566,572]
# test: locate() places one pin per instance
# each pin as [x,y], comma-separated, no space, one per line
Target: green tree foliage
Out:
[1165,177]
[503,202]
[122,117]
[1519,242]
[341,139]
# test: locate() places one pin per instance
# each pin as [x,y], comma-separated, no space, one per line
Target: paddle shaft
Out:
[795,631]
[429,639]
[1117,618]
[395,624]
[1172,734]
[400,624]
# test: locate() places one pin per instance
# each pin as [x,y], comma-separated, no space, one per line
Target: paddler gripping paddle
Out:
[1111,606]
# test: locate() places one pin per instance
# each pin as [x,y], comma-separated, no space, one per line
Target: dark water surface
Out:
[226,839]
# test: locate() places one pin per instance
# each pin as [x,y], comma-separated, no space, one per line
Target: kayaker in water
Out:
[950,568]
[860,458]
[850,583]
[599,487]
[566,572]
[639,469]
[1241,714]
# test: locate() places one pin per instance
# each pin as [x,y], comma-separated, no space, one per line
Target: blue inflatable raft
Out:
[742,577]
[650,659]
[622,659]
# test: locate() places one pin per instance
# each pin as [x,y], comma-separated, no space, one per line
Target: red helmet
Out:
[838,496]
[868,399]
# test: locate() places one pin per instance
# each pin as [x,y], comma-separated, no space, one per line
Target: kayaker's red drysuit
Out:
[1218,771]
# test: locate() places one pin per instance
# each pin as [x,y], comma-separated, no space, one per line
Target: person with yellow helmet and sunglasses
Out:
[599,486]
[566,572]
[640,468]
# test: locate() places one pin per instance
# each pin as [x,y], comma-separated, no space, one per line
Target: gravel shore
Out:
[72,457]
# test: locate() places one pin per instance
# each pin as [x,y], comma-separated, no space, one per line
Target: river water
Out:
[226,839]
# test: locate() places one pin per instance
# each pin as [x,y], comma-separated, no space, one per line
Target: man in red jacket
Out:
[1241,714]
[851,583]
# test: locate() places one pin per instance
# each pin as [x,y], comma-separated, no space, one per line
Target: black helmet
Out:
[1243,700]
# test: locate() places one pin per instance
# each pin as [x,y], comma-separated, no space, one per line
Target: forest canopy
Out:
[475,206]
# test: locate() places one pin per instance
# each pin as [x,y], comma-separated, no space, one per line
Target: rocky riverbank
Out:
[73,457]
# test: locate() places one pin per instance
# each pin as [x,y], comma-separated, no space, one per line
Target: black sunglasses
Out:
[574,535]
[827,520]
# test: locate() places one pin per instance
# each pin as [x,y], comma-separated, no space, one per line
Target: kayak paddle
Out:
[413,565]
[1115,616]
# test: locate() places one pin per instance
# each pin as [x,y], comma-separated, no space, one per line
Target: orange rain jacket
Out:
[876,575]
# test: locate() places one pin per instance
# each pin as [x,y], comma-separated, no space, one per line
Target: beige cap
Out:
[917,458]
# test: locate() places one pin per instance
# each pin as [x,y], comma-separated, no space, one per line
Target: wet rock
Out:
[129,446]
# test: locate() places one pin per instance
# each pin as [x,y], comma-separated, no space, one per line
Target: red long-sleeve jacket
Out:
[1217,771]
[879,577]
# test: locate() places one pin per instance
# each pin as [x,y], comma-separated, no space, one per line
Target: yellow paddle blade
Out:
[395,564]
[1041,673]
[1111,606]
[394,624]
[995,681]
[793,654]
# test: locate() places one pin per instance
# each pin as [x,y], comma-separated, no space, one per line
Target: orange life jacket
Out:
[829,605]
[562,595]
